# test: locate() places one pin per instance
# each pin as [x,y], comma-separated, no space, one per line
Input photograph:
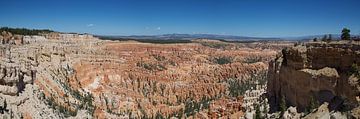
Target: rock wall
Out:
[317,71]
[9,38]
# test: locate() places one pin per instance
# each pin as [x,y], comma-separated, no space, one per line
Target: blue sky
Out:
[264,18]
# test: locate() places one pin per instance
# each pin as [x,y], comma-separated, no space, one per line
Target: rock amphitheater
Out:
[59,75]
[80,76]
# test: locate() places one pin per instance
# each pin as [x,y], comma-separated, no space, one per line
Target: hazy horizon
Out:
[239,18]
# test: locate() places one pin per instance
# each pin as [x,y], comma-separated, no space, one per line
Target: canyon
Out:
[59,75]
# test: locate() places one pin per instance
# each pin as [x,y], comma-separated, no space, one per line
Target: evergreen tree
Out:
[265,111]
[315,39]
[313,104]
[345,34]
[282,104]
[5,104]
[159,116]
[330,37]
[257,112]
[324,38]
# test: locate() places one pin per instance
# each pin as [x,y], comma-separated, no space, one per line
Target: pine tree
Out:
[324,38]
[313,104]
[330,37]
[265,111]
[282,104]
[257,112]
[345,34]
[5,104]
[315,39]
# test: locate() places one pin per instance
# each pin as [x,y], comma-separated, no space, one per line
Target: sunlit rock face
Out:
[320,71]
[78,76]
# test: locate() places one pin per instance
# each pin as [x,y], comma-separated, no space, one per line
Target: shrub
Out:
[355,69]
[223,60]
[214,45]
[192,106]
[151,67]
[159,116]
[251,60]
[313,104]
[238,87]
[159,57]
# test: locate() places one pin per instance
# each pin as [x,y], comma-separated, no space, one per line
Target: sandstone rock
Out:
[291,113]
[249,115]
[321,113]
[314,70]
[79,76]
[337,115]
[8,90]
[356,112]
[34,39]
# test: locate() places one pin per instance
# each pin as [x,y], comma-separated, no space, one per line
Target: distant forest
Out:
[172,41]
[24,31]
[156,41]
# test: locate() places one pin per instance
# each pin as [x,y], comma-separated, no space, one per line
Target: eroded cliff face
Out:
[319,71]
[49,77]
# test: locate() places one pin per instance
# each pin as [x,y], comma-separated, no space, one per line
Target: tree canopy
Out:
[345,34]
[24,31]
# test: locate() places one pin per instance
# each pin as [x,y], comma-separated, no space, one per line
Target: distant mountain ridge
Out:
[218,37]
[192,36]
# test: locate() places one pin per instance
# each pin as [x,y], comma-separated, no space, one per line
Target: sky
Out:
[260,18]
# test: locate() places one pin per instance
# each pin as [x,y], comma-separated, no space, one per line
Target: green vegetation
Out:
[151,67]
[86,101]
[257,112]
[265,110]
[3,108]
[345,34]
[313,104]
[159,57]
[355,69]
[346,106]
[251,60]
[177,114]
[237,87]
[327,38]
[315,39]
[223,60]
[191,106]
[162,88]
[282,105]
[217,45]
[66,111]
[155,41]
[24,31]
[159,116]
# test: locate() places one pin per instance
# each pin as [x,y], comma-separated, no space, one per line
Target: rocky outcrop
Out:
[78,76]
[319,71]
[32,75]
[68,36]
[9,38]
[34,39]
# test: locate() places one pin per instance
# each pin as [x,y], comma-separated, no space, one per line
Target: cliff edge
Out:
[315,73]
